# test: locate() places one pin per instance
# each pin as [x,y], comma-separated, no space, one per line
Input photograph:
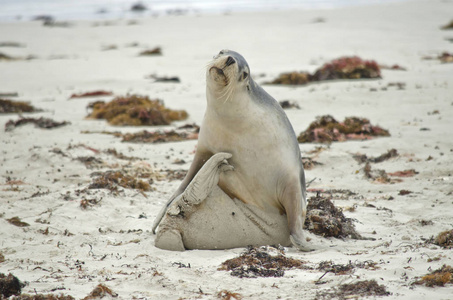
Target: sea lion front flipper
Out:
[199,160]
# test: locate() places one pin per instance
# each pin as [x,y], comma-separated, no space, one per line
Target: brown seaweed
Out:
[357,290]
[158,136]
[111,180]
[363,158]
[10,106]
[445,239]
[151,52]
[324,219]
[326,129]
[98,93]
[9,285]
[439,277]
[258,262]
[100,291]
[135,110]
[42,122]
[347,67]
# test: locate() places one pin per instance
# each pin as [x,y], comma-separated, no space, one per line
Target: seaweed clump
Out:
[100,291]
[258,262]
[158,137]
[42,297]
[293,78]
[326,129]
[135,110]
[355,290]
[44,123]
[439,277]
[445,239]
[151,52]
[112,179]
[91,94]
[9,106]
[347,67]
[9,285]
[324,219]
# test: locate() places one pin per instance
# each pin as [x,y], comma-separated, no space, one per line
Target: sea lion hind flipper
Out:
[200,184]
[199,160]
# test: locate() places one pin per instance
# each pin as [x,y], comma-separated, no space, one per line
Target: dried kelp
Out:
[444,239]
[355,290]
[10,106]
[259,262]
[16,221]
[324,219]
[158,136]
[42,122]
[100,291]
[363,158]
[134,110]
[111,180]
[42,297]
[326,129]
[9,285]
[352,67]
[439,277]
[286,104]
[151,52]
[293,78]
[98,93]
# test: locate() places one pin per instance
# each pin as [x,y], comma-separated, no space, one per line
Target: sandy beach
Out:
[77,237]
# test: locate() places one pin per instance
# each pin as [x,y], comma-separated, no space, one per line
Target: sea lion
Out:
[246,184]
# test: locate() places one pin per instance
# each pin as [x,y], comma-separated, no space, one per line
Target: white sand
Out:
[110,244]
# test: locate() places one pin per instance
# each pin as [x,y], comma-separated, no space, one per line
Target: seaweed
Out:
[445,239]
[112,179]
[4,56]
[340,269]
[151,52]
[98,93]
[135,110]
[326,129]
[286,104]
[258,262]
[173,79]
[42,122]
[10,106]
[292,78]
[227,295]
[100,291]
[2,258]
[376,175]
[355,290]
[10,285]
[439,277]
[16,221]
[42,297]
[158,136]
[405,173]
[363,158]
[347,67]
[324,219]
[448,25]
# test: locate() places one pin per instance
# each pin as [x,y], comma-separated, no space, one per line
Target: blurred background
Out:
[26,10]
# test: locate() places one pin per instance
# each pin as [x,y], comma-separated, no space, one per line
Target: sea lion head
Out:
[228,74]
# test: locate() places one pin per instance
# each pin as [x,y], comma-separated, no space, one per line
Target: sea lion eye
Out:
[245,75]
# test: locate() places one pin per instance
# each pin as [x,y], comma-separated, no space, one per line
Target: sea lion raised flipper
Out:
[182,206]
[199,160]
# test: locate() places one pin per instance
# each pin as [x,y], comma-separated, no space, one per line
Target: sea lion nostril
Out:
[229,61]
